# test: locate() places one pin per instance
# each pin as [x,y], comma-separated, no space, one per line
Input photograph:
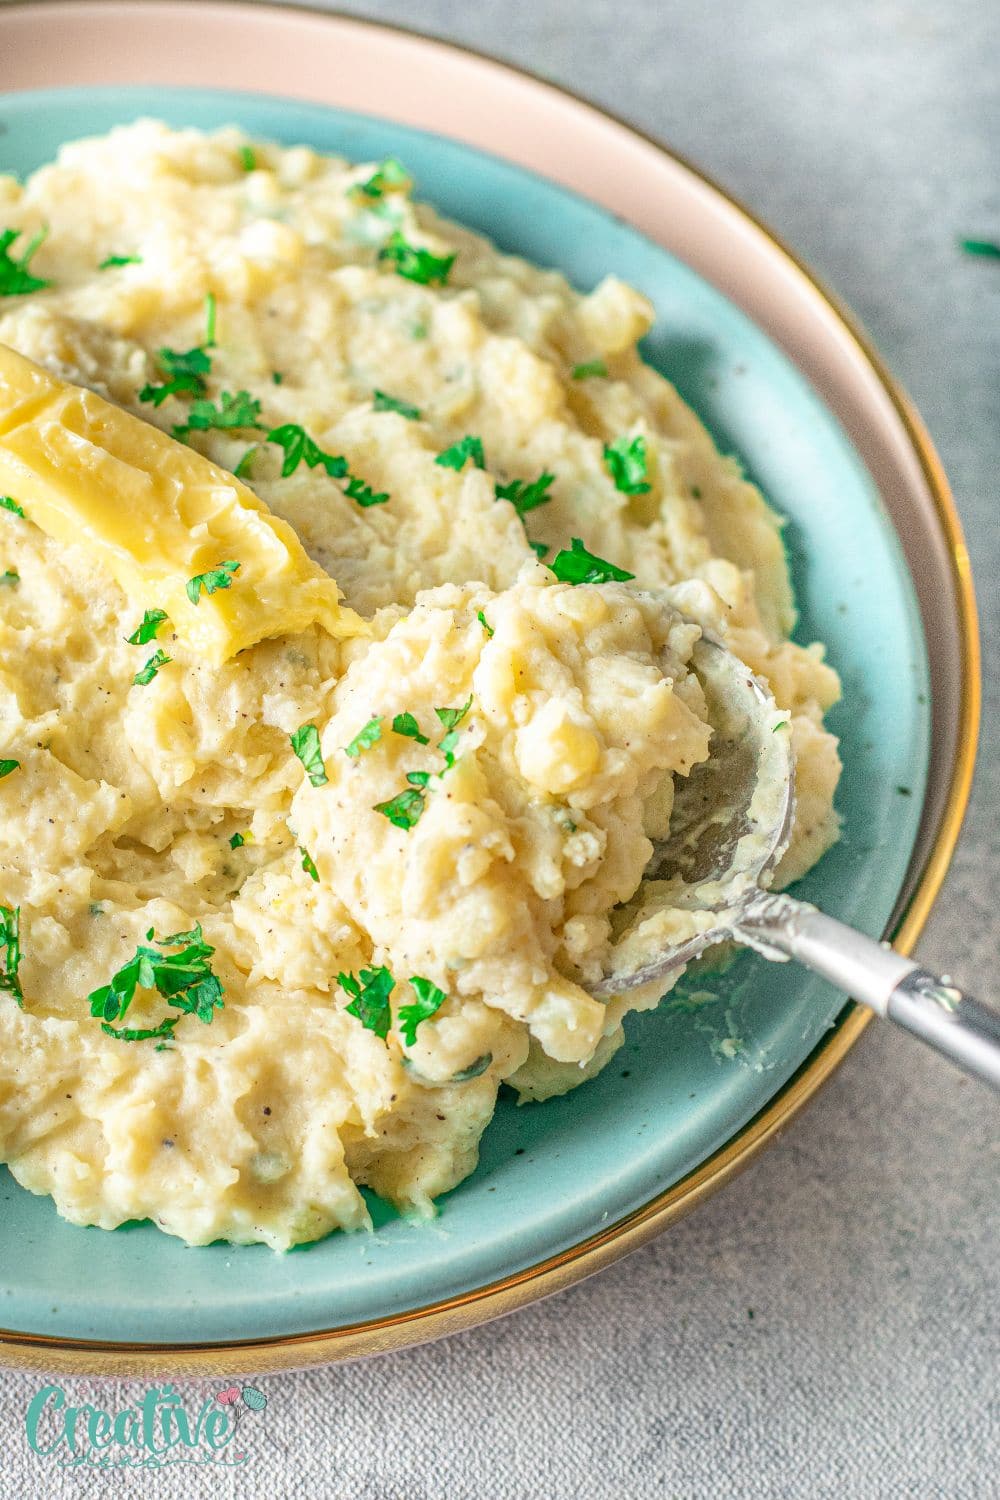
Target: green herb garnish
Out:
[429,1001]
[10,578]
[365,738]
[211,582]
[276,377]
[184,979]
[305,743]
[485,624]
[233,411]
[580,566]
[7,502]
[248,158]
[363,493]
[451,716]
[211,308]
[590,368]
[15,278]
[146,631]
[307,864]
[299,448]
[119,260]
[148,672]
[382,402]
[245,464]
[407,725]
[237,841]
[525,495]
[540,549]
[10,943]
[457,455]
[415,263]
[6,766]
[185,374]
[390,176]
[371,990]
[418,778]
[626,463]
[404,810]
[987,248]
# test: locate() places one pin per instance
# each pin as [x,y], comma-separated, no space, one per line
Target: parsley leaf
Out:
[276,377]
[305,743]
[237,841]
[455,457]
[211,582]
[119,260]
[626,463]
[591,367]
[451,716]
[580,566]
[365,738]
[407,725]
[404,810]
[490,632]
[6,766]
[307,864]
[239,410]
[540,548]
[371,990]
[184,979]
[10,578]
[248,158]
[15,277]
[211,309]
[382,402]
[390,176]
[7,502]
[148,672]
[300,448]
[418,778]
[990,249]
[185,374]
[429,1001]
[363,493]
[146,631]
[414,262]
[10,942]
[525,496]
[245,464]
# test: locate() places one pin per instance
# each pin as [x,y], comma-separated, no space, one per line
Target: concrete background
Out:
[826,1326]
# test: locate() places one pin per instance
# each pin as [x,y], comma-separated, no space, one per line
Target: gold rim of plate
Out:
[556,1272]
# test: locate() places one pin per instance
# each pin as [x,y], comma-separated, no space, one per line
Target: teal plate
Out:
[689,1076]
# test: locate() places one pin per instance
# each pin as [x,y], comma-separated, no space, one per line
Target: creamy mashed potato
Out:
[406,907]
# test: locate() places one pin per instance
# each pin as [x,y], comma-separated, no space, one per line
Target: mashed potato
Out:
[370,868]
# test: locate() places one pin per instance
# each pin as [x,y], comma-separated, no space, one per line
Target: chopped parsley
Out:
[307,864]
[184,979]
[451,718]
[370,1003]
[363,493]
[390,176]
[414,262]
[239,410]
[428,1002]
[525,495]
[485,624]
[245,464]
[185,374]
[119,260]
[7,502]
[248,158]
[10,578]
[15,278]
[212,581]
[211,309]
[365,738]
[276,377]
[237,841]
[580,566]
[148,672]
[404,810]
[10,943]
[406,724]
[990,249]
[591,368]
[382,402]
[7,766]
[626,463]
[299,448]
[418,778]
[147,629]
[540,549]
[457,455]
[305,743]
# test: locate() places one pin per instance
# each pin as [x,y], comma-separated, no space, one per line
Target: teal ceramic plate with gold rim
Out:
[689,1076]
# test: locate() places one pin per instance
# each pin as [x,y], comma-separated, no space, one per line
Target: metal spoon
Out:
[707,883]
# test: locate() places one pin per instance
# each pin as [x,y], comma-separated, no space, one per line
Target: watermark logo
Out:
[162,1429]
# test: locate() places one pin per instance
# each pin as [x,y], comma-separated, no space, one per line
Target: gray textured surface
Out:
[865,1242]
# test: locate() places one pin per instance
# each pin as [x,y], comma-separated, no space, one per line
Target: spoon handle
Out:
[895,987]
